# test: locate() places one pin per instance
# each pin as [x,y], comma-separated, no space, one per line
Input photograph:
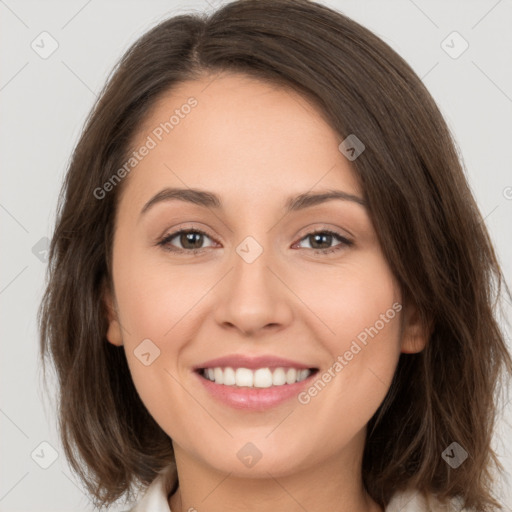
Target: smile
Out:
[257,378]
[254,389]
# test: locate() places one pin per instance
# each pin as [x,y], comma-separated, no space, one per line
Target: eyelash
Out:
[165,242]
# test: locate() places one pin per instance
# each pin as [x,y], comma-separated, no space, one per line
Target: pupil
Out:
[320,236]
[189,237]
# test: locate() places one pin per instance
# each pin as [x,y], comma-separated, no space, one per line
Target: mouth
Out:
[254,390]
[254,382]
[265,377]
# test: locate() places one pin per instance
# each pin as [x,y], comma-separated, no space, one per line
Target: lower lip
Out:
[254,398]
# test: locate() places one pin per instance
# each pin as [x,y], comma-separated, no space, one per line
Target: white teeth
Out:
[219,375]
[229,377]
[302,374]
[291,376]
[260,378]
[278,377]
[244,377]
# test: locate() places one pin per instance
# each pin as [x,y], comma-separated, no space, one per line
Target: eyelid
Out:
[164,241]
[175,230]
[318,227]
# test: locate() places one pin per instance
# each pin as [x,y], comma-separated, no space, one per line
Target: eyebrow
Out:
[211,200]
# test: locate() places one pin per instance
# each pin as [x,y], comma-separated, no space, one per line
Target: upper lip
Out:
[241,361]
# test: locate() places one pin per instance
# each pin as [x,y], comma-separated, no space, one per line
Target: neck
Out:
[333,484]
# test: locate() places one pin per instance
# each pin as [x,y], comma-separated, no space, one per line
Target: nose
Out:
[253,298]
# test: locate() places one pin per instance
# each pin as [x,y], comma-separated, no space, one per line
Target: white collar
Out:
[156,496]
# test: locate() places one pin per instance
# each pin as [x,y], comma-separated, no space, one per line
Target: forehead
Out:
[242,137]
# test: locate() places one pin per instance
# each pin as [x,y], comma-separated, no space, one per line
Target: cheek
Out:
[349,299]
[157,304]
[153,296]
[359,326]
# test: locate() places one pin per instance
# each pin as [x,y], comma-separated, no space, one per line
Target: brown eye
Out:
[190,240]
[321,241]
[194,239]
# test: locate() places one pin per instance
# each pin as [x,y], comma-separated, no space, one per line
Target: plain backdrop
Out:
[44,100]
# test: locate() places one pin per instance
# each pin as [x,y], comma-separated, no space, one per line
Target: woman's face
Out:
[262,284]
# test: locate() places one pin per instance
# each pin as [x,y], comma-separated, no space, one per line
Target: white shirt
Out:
[155,499]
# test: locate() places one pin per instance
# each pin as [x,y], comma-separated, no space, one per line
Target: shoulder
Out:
[415,501]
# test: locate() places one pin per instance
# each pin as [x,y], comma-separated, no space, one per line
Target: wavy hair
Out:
[428,224]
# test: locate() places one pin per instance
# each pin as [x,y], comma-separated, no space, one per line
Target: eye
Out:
[191,241]
[321,238]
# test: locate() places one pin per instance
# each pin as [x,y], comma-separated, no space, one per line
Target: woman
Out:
[328,339]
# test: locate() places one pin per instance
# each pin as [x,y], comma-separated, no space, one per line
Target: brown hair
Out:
[428,224]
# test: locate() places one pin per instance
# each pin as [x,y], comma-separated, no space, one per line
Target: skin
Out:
[254,145]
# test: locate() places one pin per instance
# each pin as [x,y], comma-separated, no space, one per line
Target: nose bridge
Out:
[252,297]
[251,282]
[251,264]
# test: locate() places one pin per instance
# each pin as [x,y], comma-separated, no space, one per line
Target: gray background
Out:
[44,102]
